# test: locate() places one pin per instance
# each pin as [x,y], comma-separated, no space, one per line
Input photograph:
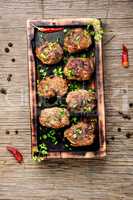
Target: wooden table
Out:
[107,179]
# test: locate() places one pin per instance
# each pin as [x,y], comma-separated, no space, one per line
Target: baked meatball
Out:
[81,134]
[76,40]
[52,86]
[54,117]
[81,101]
[49,53]
[79,68]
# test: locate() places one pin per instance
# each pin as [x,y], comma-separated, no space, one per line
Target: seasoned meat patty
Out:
[77,39]
[53,86]
[79,68]
[81,134]
[49,53]
[54,117]
[81,101]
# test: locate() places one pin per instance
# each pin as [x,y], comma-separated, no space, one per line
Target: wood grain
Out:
[108,179]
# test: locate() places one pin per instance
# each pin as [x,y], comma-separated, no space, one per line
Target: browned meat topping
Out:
[54,117]
[49,53]
[77,39]
[81,134]
[79,68]
[51,87]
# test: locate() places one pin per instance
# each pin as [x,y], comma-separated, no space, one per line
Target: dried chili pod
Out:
[124,56]
[16,153]
[48,30]
[93,85]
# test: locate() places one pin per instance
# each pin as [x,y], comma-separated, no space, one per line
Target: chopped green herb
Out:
[74,86]
[78,131]
[42,71]
[74,120]
[92,54]
[83,55]
[46,87]
[58,40]
[88,109]
[91,90]
[51,136]
[98,35]
[65,30]
[70,73]
[58,72]
[44,136]
[77,39]
[67,147]
[74,105]
[62,113]
[92,33]
[88,27]
[43,149]
[56,142]
[65,60]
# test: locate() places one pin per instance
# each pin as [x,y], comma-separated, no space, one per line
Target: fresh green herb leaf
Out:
[88,27]
[43,149]
[88,109]
[74,120]
[74,86]
[44,136]
[65,30]
[62,113]
[78,131]
[58,72]
[70,73]
[42,71]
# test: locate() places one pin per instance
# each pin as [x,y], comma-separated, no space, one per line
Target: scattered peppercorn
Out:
[7,132]
[107,141]
[10,44]
[130,105]
[3,91]
[128,135]
[124,91]
[13,60]
[119,129]
[112,138]
[16,132]
[9,77]
[7,50]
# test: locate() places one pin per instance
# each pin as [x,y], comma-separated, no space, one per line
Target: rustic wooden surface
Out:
[108,179]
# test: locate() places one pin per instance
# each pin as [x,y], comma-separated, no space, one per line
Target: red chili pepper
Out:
[17,155]
[48,30]
[93,85]
[125,56]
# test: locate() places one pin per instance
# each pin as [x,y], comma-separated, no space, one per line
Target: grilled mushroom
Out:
[77,39]
[54,117]
[49,53]
[81,134]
